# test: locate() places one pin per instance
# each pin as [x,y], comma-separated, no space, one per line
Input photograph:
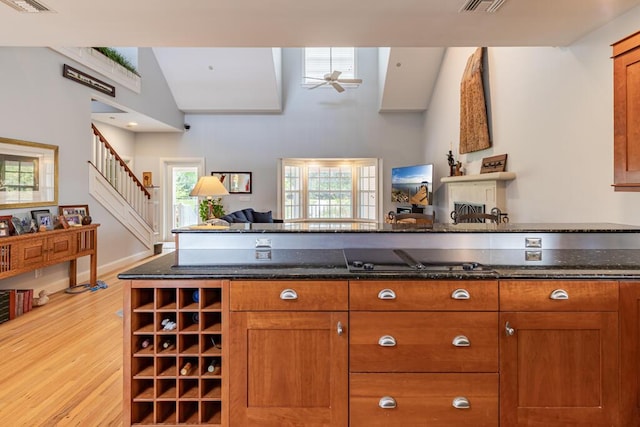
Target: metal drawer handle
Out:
[387,402]
[559,294]
[461,403]
[508,329]
[461,341]
[288,294]
[339,328]
[387,341]
[460,294]
[387,294]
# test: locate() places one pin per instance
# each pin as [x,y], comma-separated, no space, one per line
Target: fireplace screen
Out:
[461,208]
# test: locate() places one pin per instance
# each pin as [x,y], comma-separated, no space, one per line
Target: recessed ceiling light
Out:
[131,124]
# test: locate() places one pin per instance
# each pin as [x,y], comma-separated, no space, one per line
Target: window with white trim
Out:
[319,61]
[329,189]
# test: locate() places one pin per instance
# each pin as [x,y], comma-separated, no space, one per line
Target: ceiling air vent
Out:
[28,6]
[488,6]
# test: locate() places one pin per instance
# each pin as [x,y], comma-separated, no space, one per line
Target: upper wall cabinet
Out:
[626,100]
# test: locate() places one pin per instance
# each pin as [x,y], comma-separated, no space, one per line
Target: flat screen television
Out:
[412,185]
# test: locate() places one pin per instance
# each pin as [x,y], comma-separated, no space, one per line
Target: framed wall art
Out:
[235,182]
[28,174]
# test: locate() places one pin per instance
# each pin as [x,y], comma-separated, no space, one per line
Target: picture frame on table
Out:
[34,213]
[7,219]
[17,225]
[5,227]
[45,219]
[73,220]
[66,210]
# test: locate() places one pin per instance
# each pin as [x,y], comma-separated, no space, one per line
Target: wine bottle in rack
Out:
[168,344]
[214,367]
[186,368]
[146,342]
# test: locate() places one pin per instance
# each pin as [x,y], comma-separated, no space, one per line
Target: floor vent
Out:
[27,6]
[488,6]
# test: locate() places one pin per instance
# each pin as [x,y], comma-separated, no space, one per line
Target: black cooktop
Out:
[361,260]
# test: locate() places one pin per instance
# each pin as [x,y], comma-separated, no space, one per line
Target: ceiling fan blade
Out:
[333,76]
[314,78]
[337,87]
[318,85]
[349,80]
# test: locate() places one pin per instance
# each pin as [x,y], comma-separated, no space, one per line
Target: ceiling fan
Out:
[333,80]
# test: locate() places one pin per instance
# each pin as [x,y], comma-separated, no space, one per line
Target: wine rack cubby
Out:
[175,360]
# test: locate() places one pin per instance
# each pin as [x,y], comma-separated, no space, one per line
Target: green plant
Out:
[217,209]
[117,57]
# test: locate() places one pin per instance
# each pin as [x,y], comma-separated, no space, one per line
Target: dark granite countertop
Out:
[331,264]
[351,227]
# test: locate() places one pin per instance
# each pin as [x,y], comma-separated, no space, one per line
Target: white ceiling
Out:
[295,23]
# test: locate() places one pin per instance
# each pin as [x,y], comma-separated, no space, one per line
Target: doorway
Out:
[180,209]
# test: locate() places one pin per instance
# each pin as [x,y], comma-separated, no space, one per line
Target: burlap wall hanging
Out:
[474,129]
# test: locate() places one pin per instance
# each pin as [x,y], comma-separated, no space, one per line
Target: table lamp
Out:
[209,186]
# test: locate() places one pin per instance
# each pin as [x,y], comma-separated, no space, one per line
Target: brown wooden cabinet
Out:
[176,374]
[559,353]
[630,353]
[423,353]
[26,252]
[289,343]
[626,107]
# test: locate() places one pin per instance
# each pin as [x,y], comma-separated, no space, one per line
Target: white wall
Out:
[37,104]
[314,123]
[551,111]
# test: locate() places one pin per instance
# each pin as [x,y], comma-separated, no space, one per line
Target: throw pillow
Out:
[262,216]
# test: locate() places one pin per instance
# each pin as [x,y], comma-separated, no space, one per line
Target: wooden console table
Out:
[27,252]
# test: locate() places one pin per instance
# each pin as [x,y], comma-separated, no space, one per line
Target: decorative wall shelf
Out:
[96,61]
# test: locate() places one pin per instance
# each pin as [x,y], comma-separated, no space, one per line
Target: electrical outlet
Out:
[38,273]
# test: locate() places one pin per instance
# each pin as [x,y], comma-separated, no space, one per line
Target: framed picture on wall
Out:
[235,182]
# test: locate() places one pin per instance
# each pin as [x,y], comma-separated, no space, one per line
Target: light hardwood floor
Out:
[62,362]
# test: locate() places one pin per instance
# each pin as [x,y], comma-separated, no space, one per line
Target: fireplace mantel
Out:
[492,176]
[487,189]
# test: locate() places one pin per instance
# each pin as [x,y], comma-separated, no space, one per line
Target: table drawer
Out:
[312,295]
[558,295]
[423,342]
[481,295]
[423,400]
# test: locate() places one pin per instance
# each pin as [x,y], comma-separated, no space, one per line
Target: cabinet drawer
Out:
[423,400]
[423,342]
[557,295]
[256,295]
[424,295]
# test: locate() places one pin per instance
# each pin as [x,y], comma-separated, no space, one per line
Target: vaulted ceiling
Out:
[406,24]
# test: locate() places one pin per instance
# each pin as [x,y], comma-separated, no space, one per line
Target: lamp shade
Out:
[208,186]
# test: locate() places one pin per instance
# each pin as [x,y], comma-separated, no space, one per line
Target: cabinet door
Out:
[559,369]
[60,246]
[288,369]
[630,353]
[626,100]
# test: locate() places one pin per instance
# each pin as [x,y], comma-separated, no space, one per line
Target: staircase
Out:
[115,186]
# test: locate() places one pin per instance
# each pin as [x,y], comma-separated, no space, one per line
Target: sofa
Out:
[249,215]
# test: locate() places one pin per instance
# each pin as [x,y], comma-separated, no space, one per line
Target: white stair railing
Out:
[114,169]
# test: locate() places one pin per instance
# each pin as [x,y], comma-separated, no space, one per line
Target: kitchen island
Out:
[361,325]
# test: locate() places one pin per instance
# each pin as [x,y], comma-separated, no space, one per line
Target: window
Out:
[329,189]
[18,173]
[319,61]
